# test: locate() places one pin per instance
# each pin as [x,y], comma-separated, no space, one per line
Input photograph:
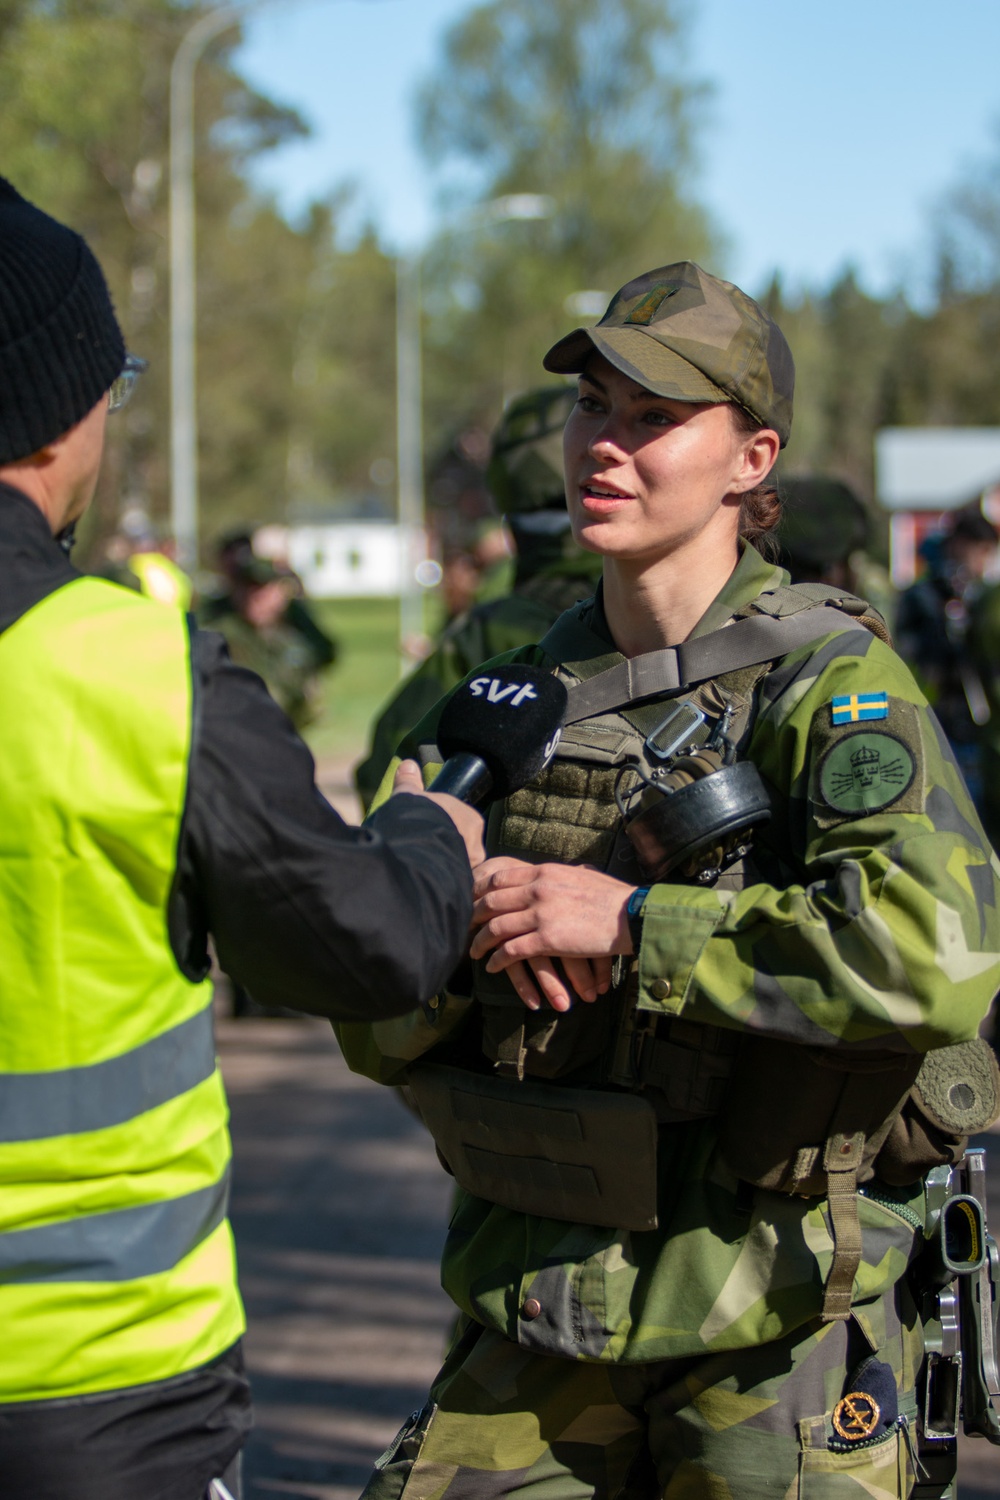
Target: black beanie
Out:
[60,344]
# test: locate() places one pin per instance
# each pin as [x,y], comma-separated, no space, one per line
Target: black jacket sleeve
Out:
[306,911]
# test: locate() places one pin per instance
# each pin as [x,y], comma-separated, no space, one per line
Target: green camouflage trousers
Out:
[770,1421]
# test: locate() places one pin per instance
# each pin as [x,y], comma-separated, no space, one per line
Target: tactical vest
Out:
[586,1144]
[116,1258]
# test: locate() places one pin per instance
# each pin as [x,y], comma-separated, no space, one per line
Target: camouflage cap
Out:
[525,470]
[686,334]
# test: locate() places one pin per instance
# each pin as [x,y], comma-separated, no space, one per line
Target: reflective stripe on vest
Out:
[116,1262]
[36,1106]
[121,1246]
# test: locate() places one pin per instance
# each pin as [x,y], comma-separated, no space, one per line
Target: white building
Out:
[921,473]
[348,559]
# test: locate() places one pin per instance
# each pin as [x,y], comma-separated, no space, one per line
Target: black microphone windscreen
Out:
[510,717]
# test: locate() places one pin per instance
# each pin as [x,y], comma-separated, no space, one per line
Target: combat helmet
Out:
[525,471]
[822,523]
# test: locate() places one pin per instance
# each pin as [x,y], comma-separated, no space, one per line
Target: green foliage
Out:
[84,133]
[845,347]
[589,104]
[366,672]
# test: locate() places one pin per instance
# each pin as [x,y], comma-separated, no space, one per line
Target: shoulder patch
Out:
[860,770]
[865,771]
[855,707]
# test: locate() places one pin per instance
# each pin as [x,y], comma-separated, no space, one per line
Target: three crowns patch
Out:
[865,771]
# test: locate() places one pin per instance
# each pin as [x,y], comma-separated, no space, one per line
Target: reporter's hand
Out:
[466,819]
[529,914]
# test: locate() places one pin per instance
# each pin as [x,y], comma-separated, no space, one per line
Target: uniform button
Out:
[531,1308]
[661,989]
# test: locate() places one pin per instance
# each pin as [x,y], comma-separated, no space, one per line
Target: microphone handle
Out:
[464,776]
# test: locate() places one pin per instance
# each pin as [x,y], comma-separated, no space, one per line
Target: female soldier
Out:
[686,1208]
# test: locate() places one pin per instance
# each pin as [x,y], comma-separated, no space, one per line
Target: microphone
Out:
[498,731]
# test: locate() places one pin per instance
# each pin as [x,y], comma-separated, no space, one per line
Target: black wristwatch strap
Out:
[633,913]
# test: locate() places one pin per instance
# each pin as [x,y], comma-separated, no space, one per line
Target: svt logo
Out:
[497,690]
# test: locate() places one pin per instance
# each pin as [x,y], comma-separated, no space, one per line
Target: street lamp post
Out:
[409,452]
[411,510]
[183,419]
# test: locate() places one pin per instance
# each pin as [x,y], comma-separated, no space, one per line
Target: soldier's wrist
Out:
[634,913]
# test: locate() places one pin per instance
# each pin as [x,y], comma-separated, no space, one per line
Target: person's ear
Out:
[760,454]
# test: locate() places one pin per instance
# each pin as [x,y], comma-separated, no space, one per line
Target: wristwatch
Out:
[633,914]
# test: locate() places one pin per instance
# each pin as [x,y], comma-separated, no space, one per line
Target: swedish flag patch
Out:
[854,708]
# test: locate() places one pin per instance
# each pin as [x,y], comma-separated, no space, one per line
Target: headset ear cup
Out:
[703,822]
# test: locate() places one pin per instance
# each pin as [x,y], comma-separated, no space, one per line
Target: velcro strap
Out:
[692,1081]
[842,1159]
[512,1054]
[746,643]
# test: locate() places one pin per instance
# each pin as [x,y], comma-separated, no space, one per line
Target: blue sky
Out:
[832,132]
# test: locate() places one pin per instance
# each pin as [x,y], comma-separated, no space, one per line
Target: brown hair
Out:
[760,508]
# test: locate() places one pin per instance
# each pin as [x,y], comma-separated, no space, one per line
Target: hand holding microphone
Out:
[496,733]
[468,822]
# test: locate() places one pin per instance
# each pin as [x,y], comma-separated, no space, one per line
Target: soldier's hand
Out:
[530,914]
[468,822]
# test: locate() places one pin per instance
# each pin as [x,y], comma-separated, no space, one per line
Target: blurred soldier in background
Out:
[268,625]
[983,660]
[824,535]
[931,627]
[551,572]
[137,558]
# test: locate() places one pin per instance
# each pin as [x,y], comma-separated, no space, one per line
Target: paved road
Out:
[339,1210]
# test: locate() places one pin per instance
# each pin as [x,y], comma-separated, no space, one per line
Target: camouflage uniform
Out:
[290,654]
[707,1348]
[872,931]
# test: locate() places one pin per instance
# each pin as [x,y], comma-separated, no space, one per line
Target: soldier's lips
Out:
[603,500]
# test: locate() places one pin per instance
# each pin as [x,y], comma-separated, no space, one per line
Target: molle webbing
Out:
[567,813]
[748,642]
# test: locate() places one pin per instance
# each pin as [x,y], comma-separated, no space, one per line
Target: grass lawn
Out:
[364,675]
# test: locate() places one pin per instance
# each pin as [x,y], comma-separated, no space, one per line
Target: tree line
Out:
[590,103]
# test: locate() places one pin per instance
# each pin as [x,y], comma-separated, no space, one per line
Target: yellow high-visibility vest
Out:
[161,579]
[116,1257]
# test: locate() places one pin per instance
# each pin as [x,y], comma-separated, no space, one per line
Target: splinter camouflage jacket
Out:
[876,926]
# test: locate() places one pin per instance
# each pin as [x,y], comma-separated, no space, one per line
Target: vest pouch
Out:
[956,1093]
[810,1121]
[583,1155]
[785,1102]
[539,1044]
